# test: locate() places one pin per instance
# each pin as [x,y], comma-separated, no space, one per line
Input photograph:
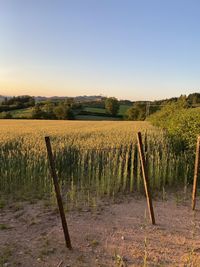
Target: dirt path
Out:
[115,235]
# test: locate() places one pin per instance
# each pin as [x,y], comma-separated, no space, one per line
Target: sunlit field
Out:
[93,159]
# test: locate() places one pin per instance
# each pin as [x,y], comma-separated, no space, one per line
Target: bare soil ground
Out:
[118,234]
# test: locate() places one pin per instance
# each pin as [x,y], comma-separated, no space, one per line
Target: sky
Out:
[129,49]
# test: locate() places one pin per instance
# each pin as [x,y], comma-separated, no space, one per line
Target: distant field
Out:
[122,109]
[94,113]
[21,113]
[96,110]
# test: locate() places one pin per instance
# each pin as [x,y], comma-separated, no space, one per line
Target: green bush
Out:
[112,106]
[182,123]
[6,115]
[136,113]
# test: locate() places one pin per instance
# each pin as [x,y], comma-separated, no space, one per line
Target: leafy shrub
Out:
[136,113]
[6,115]
[182,123]
[112,106]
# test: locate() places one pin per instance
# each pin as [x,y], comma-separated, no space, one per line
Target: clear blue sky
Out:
[134,49]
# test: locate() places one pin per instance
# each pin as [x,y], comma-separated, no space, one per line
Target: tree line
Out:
[68,109]
[141,110]
[18,102]
[62,110]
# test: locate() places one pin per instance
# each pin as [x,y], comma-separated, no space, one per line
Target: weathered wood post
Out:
[196,171]
[145,177]
[57,190]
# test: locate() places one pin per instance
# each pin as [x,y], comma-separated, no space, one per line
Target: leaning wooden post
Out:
[196,170]
[145,178]
[57,190]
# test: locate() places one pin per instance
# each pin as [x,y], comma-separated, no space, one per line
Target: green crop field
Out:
[93,159]
[27,113]
[95,110]
[21,113]
[122,110]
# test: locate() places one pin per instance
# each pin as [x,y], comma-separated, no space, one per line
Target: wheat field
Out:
[93,159]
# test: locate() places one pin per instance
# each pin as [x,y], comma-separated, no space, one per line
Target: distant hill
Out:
[192,98]
[84,98]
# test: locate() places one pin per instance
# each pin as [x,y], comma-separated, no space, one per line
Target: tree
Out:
[59,112]
[64,112]
[182,102]
[69,102]
[194,99]
[37,113]
[132,114]
[112,106]
[6,115]
[137,112]
[49,110]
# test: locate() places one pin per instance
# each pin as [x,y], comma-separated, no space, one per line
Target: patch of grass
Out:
[19,214]
[94,243]
[46,249]
[22,113]
[81,258]
[2,203]
[190,259]
[179,199]
[120,261]
[123,109]
[4,226]
[33,201]
[5,254]
[96,110]
[32,222]
[47,204]
[16,206]
[164,194]
[145,253]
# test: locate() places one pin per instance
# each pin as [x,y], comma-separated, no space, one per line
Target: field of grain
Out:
[101,184]
[93,159]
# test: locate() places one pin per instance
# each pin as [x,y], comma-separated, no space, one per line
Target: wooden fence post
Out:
[196,170]
[145,177]
[57,190]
